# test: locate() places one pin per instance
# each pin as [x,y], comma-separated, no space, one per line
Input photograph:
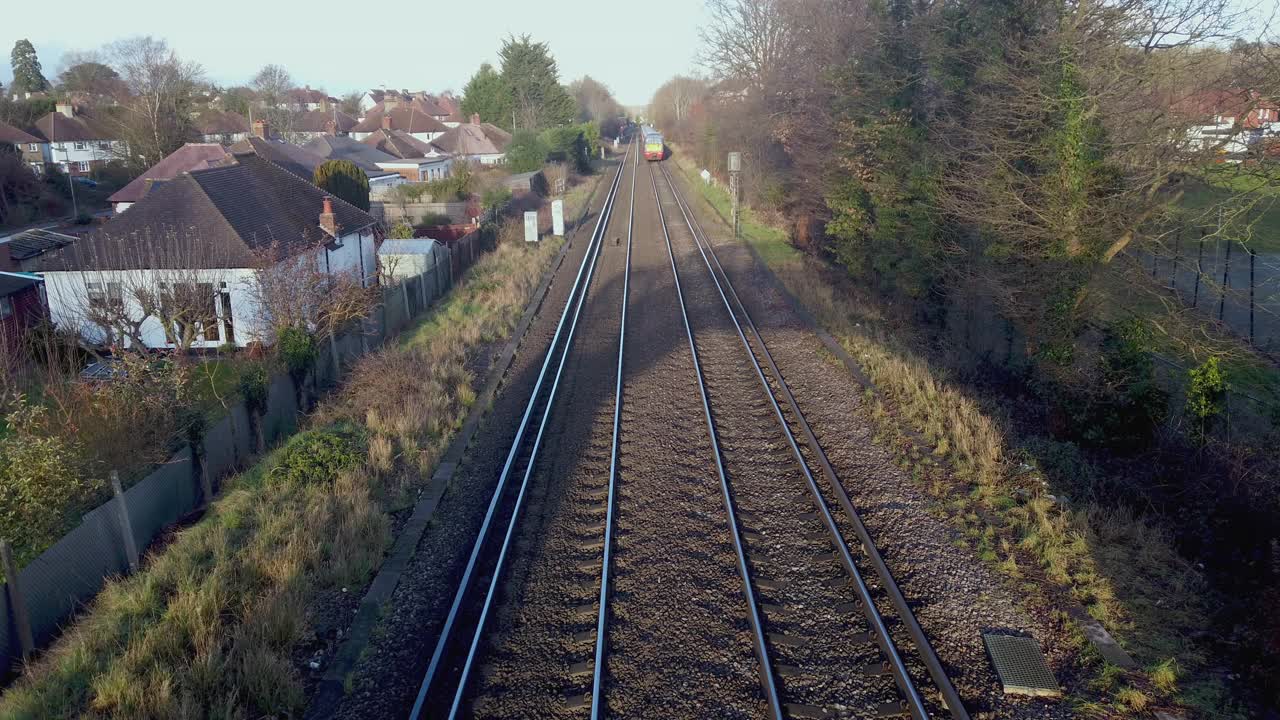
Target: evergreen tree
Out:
[488,96]
[530,73]
[345,180]
[27,75]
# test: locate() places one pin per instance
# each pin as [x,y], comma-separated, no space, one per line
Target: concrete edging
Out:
[332,686]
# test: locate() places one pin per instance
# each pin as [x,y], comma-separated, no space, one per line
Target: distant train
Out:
[655,148]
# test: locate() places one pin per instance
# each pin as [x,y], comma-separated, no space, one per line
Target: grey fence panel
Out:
[244,437]
[161,498]
[72,571]
[10,652]
[220,448]
[281,416]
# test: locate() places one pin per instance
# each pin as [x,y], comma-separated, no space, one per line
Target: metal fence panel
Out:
[162,498]
[220,449]
[281,416]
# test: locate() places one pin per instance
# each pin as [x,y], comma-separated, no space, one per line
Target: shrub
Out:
[1205,393]
[44,480]
[401,231]
[526,152]
[297,350]
[344,179]
[317,456]
[496,197]
[253,386]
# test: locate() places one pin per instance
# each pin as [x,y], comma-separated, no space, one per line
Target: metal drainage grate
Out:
[1021,666]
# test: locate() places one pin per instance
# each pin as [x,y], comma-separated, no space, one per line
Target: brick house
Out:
[34,150]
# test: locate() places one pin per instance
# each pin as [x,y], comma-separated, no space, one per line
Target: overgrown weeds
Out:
[209,627]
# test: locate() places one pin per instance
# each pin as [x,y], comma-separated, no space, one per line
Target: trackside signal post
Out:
[735,174]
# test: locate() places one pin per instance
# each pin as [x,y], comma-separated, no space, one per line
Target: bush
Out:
[317,456]
[496,198]
[1205,394]
[526,152]
[401,231]
[344,179]
[434,218]
[253,386]
[44,482]
[297,350]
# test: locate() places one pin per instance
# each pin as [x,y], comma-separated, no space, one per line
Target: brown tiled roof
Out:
[470,139]
[307,95]
[318,121]
[288,156]
[408,119]
[56,127]
[400,144]
[223,217]
[217,122]
[14,136]
[188,158]
[340,147]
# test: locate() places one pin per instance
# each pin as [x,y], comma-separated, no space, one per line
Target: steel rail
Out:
[767,681]
[578,291]
[936,672]
[597,687]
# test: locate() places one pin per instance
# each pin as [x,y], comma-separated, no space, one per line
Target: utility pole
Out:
[735,173]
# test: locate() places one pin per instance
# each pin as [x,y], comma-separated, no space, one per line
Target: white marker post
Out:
[557,217]
[531,227]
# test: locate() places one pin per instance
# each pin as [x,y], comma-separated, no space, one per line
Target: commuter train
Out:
[655,148]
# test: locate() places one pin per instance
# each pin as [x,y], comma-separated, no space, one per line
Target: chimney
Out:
[324,104]
[390,103]
[331,127]
[260,129]
[475,118]
[386,121]
[329,221]
[65,108]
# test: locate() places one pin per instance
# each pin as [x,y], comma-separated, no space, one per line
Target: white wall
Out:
[68,292]
[90,150]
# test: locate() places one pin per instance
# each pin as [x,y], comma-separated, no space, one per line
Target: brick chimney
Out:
[260,129]
[386,121]
[390,102]
[331,127]
[329,221]
[324,105]
[66,109]
[475,118]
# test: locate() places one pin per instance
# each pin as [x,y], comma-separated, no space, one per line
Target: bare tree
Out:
[746,40]
[157,98]
[272,86]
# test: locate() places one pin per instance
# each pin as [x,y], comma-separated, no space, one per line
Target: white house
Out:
[392,115]
[79,141]
[211,235]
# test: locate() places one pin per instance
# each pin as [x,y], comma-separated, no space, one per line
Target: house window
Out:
[82,166]
[6,307]
[79,145]
[105,296]
[37,168]
[32,147]
[224,302]
[104,146]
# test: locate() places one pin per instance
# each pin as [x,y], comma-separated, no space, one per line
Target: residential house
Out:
[366,157]
[288,156]
[208,234]
[219,126]
[416,160]
[22,303]
[79,140]
[313,124]
[188,158]
[1231,122]
[477,142]
[391,115]
[304,99]
[34,150]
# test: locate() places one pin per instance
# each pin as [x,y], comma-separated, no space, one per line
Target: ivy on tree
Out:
[344,179]
[27,74]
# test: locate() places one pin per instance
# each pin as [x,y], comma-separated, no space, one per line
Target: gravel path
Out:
[956,595]
[386,679]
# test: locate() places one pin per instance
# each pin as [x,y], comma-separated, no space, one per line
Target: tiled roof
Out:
[317,121]
[470,139]
[189,157]
[14,136]
[408,119]
[223,217]
[56,127]
[401,145]
[288,156]
[337,147]
[217,122]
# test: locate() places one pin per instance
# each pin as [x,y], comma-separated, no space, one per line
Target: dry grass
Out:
[209,628]
[1121,567]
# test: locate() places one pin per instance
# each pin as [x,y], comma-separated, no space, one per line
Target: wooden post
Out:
[404,293]
[126,525]
[1252,255]
[1226,283]
[1195,297]
[1177,255]
[202,474]
[17,601]
[333,354]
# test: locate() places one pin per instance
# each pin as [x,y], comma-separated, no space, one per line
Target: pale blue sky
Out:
[432,45]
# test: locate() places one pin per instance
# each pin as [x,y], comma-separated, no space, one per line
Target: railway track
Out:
[804,585]
[454,661]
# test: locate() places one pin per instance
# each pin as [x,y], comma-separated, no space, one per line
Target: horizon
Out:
[581,46]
